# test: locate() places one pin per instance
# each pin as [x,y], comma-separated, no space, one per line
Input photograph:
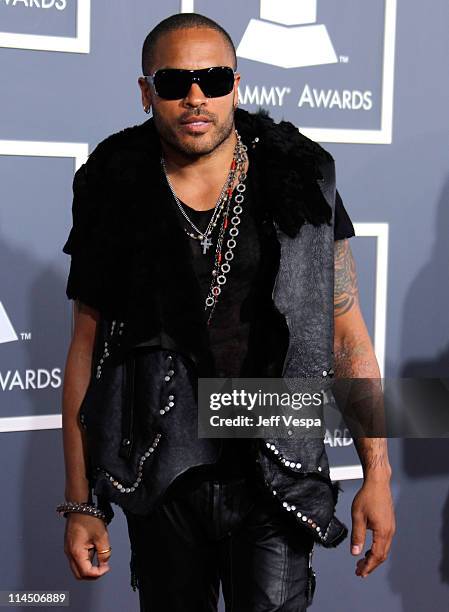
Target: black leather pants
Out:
[219,529]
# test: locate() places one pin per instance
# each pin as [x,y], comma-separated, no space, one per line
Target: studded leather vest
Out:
[139,412]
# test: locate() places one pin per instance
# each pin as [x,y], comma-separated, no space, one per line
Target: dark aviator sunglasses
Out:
[175,83]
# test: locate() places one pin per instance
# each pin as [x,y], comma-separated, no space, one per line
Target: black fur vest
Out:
[140,270]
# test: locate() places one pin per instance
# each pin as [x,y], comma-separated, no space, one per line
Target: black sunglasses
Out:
[175,83]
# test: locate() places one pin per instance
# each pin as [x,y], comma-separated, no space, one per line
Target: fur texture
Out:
[127,248]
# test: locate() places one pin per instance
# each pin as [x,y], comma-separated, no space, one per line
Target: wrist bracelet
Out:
[82,508]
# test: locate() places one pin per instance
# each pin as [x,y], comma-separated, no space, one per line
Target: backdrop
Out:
[364,78]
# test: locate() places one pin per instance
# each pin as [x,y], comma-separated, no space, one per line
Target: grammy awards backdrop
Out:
[365,78]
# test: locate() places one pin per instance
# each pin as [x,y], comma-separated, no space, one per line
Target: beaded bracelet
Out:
[83,508]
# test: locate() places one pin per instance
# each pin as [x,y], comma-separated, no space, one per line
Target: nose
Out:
[195,96]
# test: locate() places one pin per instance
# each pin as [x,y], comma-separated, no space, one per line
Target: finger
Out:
[358,533]
[85,566]
[363,565]
[376,555]
[74,569]
[102,543]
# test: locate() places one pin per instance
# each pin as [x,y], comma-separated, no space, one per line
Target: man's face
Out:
[192,48]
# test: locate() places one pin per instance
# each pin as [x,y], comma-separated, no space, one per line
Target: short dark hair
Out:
[180,21]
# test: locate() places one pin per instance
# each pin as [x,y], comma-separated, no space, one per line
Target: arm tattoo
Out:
[345,283]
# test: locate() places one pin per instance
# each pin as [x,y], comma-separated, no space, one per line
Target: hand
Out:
[84,532]
[372,508]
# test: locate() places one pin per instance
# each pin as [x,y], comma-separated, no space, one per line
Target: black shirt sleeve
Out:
[85,280]
[343,227]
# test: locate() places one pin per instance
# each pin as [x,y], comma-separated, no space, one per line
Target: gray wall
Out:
[73,96]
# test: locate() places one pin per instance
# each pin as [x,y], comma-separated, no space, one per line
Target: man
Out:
[153,212]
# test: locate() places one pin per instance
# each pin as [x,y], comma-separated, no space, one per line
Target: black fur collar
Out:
[285,166]
[143,255]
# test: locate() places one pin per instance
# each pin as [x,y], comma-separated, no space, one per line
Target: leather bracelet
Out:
[82,508]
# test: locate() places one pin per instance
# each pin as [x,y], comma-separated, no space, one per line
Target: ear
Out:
[146,94]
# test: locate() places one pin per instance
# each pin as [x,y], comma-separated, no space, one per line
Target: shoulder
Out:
[128,138]
[283,135]
[119,151]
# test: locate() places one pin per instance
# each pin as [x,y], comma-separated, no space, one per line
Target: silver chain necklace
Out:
[222,269]
[204,237]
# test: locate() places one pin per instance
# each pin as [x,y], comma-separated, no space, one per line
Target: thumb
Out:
[358,533]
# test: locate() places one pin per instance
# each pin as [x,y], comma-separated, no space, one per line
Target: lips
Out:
[196,120]
[199,125]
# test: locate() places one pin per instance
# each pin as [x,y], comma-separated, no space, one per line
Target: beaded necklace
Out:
[220,270]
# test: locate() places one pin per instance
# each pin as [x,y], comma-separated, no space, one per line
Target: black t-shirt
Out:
[229,328]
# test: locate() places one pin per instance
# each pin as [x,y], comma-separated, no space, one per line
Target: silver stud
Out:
[319,468]
[324,373]
[298,465]
[162,411]
[171,397]
[167,378]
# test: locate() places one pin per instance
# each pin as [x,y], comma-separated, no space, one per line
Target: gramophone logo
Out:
[287,35]
[7,331]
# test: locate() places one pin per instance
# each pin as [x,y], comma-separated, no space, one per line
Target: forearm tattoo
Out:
[345,283]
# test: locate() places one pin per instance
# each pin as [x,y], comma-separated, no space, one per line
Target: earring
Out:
[147,109]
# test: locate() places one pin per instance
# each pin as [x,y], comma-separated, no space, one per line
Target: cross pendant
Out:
[205,242]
